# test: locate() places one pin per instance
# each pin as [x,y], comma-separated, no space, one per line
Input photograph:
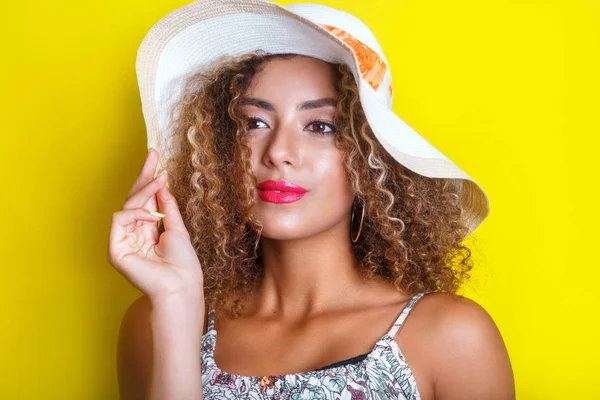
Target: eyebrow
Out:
[305,105]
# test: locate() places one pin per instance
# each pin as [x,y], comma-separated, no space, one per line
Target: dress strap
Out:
[394,329]
[211,317]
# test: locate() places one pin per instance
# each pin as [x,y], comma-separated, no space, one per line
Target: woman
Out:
[290,228]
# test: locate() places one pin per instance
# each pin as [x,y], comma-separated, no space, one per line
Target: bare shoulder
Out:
[468,356]
[134,350]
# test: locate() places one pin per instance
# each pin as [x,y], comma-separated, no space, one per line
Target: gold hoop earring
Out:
[362,217]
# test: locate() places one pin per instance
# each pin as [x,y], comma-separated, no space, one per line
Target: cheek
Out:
[254,151]
[330,177]
[331,196]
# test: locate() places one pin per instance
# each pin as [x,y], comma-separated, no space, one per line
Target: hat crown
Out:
[373,65]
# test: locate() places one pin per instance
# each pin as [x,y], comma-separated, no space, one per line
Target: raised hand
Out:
[160,265]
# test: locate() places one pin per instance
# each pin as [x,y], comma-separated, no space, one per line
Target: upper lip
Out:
[282,186]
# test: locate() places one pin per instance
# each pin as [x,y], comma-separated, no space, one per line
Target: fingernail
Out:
[157,214]
[161,174]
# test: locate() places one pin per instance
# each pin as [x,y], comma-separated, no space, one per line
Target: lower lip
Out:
[282,197]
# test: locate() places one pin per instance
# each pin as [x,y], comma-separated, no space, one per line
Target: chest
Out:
[277,348]
[383,374]
[262,349]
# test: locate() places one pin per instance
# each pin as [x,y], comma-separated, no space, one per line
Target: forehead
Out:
[298,74]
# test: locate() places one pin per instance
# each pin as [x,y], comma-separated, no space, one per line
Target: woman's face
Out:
[289,109]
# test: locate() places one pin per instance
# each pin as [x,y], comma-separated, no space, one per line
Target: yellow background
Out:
[509,90]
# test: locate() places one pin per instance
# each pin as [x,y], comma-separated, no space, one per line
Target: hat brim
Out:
[200,32]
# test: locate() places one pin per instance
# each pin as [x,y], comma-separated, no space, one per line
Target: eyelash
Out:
[316,121]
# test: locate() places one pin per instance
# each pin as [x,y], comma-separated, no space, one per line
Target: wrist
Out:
[176,299]
[175,308]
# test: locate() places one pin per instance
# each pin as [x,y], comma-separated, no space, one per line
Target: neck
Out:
[306,275]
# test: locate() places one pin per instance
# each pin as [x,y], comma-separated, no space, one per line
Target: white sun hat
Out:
[204,30]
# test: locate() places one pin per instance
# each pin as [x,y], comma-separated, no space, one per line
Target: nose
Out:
[282,147]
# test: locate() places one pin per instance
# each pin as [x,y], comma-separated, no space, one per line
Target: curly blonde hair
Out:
[413,227]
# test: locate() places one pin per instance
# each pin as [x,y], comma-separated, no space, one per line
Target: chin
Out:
[279,230]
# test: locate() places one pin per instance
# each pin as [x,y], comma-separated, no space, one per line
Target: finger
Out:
[141,197]
[147,172]
[168,206]
[123,221]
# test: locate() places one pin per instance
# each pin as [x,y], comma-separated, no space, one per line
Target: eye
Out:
[322,125]
[250,120]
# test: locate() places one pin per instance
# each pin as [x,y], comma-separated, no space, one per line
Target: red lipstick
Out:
[280,191]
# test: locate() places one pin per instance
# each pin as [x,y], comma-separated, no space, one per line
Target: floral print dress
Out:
[382,374]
